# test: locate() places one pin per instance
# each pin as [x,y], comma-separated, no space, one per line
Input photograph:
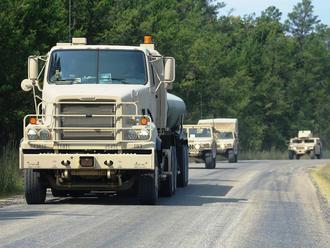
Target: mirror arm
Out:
[35,99]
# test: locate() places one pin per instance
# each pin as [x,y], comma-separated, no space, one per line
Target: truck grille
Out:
[94,116]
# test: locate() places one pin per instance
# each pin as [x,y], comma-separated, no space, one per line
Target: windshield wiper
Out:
[121,80]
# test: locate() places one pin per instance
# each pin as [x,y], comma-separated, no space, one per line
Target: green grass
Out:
[11,181]
[263,155]
[321,177]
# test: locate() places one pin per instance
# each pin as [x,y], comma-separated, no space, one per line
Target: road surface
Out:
[249,204]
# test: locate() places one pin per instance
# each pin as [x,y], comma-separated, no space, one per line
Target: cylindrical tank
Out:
[175,109]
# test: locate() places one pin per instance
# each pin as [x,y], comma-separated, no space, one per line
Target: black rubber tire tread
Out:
[35,191]
[291,155]
[297,156]
[312,155]
[209,161]
[183,163]
[148,192]
[231,156]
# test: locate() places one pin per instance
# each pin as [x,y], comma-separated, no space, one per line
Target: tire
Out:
[291,155]
[183,163]
[231,156]
[168,186]
[236,159]
[297,156]
[35,190]
[312,155]
[148,188]
[209,161]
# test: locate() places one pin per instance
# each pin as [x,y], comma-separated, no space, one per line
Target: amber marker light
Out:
[147,39]
[33,120]
[143,121]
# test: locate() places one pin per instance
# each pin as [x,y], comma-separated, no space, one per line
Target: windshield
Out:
[225,135]
[199,132]
[97,67]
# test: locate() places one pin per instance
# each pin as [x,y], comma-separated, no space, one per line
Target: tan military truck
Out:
[226,132]
[305,143]
[104,123]
[202,144]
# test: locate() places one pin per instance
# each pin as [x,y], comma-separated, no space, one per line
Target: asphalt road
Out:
[249,204]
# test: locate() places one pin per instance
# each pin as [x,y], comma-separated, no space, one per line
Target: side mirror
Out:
[169,74]
[33,68]
[27,84]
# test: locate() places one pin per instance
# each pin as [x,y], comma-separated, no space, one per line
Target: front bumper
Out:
[126,159]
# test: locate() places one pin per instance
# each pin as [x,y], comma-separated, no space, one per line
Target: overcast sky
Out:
[242,7]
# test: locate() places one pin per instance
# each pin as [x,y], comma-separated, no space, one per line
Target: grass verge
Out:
[263,155]
[321,176]
[11,181]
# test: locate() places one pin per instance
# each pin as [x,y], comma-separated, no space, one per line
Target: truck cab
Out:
[104,122]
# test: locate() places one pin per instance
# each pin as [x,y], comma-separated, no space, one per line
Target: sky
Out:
[243,7]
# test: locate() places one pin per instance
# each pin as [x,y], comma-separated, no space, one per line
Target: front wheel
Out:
[148,187]
[231,156]
[35,190]
[291,155]
[210,162]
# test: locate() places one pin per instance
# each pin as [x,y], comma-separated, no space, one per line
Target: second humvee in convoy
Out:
[202,144]
[226,133]
[305,143]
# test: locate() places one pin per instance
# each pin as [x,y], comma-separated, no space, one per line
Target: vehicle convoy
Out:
[104,123]
[202,144]
[305,143]
[226,132]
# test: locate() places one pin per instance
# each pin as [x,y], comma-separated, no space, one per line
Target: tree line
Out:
[272,75]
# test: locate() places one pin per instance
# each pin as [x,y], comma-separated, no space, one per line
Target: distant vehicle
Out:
[226,132]
[305,143]
[202,144]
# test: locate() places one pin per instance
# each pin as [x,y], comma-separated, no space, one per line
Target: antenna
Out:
[69,20]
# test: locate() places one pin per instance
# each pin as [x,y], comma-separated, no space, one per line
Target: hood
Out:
[118,92]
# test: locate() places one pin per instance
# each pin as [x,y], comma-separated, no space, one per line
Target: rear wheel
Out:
[148,187]
[183,163]
[297,156]
[35,190]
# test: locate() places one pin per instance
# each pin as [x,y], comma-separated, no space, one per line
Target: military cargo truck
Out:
[104,122]
[202,144]
[226,132]
[305,143]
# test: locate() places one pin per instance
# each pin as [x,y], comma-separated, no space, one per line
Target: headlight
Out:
[143,134]
[32,134]
[138,134]
[44,134]
[131,135]
[197,146]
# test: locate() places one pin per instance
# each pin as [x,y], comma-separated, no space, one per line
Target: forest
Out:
[271,74]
